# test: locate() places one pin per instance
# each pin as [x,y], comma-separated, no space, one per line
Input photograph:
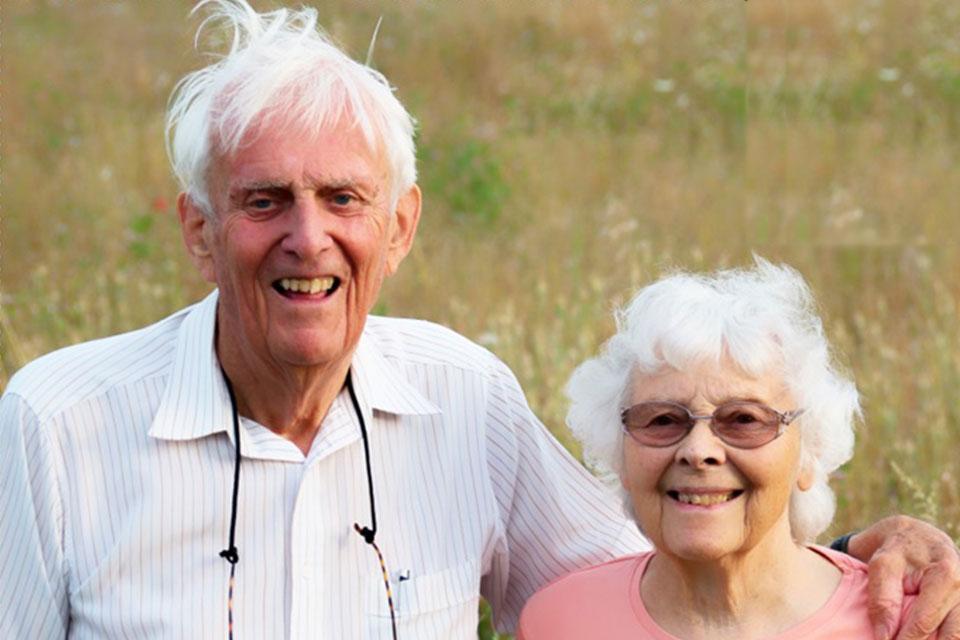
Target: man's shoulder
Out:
[67,376]
[427,343]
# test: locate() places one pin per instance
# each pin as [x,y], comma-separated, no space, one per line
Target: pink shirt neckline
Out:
[803,629]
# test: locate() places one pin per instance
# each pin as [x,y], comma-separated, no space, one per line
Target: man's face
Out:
[300,240]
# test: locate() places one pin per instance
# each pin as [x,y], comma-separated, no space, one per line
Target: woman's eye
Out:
[664,420]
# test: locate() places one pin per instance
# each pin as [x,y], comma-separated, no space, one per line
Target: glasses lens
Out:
[746,424]
[657,424]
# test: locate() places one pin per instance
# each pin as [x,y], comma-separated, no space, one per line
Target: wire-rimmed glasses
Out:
[742,424]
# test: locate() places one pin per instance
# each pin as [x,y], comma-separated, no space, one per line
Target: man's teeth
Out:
[704,499]
[306,285]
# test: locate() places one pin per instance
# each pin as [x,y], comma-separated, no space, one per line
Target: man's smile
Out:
[298,287]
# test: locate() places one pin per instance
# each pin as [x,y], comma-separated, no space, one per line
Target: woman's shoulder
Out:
[602,591]
[845,615]
[847,564]
[611,574]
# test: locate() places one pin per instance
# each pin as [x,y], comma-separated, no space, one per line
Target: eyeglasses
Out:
[739,423]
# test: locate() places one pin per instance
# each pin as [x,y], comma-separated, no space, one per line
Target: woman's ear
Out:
[807,474]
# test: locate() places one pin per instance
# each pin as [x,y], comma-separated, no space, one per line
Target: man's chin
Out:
[305,353]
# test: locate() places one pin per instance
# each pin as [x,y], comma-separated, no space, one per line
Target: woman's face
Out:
[701,499]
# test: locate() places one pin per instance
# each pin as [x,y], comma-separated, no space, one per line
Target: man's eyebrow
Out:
[259,185]
[332,184]
[321,184]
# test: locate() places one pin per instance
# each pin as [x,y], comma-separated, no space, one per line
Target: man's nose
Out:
[308,229]
[701,448]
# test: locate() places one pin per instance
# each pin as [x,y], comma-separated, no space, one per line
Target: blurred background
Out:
[569,152]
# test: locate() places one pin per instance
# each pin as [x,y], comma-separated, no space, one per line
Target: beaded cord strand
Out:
[369,533]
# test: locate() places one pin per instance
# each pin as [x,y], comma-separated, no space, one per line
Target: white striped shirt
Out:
[116,463]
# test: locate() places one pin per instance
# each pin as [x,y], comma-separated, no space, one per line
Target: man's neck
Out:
[291,402]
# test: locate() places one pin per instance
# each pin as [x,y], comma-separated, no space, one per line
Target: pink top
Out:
[604,602]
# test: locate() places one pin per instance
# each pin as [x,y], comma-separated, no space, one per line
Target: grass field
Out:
[568,153]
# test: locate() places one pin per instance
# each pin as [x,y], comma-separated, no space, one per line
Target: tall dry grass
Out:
[568,152]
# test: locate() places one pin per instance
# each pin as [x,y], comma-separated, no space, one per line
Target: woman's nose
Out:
[701,448]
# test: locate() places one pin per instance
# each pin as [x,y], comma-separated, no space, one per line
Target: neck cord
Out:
[230,553]
[368,534]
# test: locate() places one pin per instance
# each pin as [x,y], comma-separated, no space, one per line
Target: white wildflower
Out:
[889,74]
[663,85]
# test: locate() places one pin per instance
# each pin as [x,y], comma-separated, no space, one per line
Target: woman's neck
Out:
[755,594]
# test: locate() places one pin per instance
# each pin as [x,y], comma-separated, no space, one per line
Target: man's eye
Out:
[342,199]
[263,205]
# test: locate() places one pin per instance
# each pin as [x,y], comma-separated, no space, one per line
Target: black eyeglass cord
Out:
[368,534]
[230,553]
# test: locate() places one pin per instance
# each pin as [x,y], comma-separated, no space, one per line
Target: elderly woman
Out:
[718,408]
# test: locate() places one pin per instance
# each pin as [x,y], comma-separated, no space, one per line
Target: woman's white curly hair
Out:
[281,69]
[764,319]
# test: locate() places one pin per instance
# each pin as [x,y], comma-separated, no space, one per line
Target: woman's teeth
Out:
[704,499]
[306,285]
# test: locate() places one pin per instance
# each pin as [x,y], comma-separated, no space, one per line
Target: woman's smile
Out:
[702,499]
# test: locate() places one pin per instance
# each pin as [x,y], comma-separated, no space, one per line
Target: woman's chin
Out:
[700,549]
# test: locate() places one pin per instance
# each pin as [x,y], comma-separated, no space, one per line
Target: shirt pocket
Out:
[441,604]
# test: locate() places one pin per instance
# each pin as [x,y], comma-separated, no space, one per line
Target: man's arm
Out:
[555,516]
[33,589]
[907,554]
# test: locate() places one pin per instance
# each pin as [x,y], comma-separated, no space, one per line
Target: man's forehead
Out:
[281,158]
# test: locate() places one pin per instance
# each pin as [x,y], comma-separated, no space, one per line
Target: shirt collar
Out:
[196,403]
[382,385]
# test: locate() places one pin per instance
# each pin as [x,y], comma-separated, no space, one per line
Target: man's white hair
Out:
[765,321]
[281,70]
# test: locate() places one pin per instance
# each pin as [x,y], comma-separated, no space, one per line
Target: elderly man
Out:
[273,462]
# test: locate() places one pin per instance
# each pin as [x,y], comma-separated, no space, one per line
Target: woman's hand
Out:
[908,555]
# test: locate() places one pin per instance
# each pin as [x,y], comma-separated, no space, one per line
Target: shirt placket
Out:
[318,607]
[305,599]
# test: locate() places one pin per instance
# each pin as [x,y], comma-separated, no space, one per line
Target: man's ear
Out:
[403,228]
[193,227]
